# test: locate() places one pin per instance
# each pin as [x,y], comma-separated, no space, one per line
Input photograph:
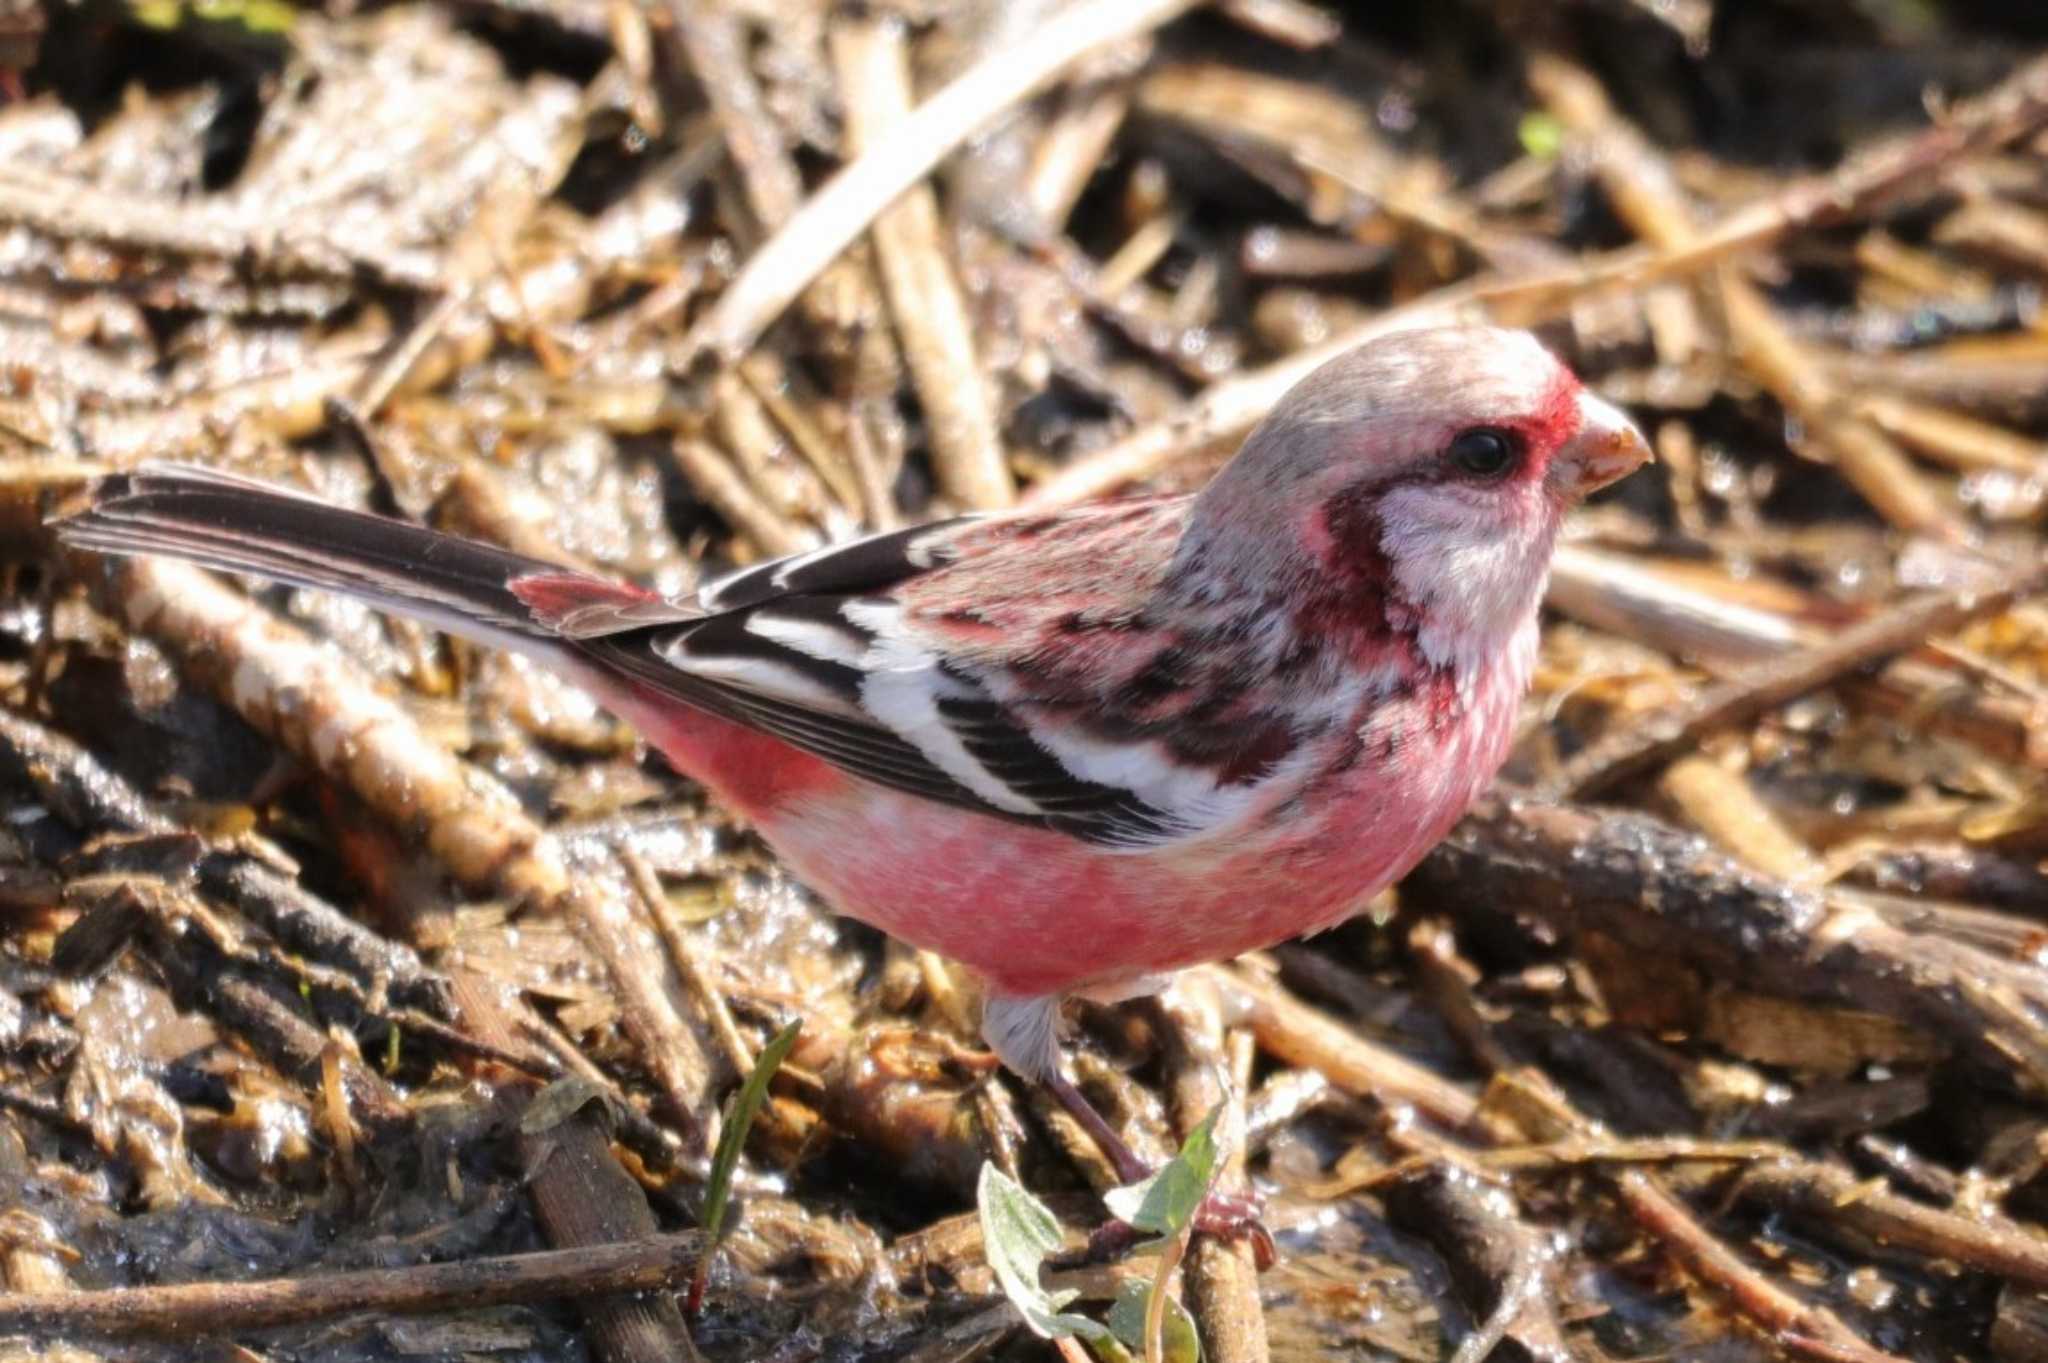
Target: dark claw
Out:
[1236,1216]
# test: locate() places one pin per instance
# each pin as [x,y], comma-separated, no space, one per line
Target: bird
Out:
[1074,750]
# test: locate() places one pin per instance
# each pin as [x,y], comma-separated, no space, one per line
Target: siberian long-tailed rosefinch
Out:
[1072,751]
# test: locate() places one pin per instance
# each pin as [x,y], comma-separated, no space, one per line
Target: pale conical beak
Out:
[1607,447]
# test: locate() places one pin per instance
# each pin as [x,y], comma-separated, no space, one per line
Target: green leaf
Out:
[739,1119]
[1542,136]
[732,1138]
[1164,1203]
[1127,1323]
[1017,1232]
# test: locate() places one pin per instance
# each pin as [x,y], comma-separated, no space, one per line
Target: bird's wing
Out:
[1010,665]
[1016,665]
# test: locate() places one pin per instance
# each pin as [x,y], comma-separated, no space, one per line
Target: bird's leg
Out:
[1229,1216]
[1129,1168]
[1023,1033]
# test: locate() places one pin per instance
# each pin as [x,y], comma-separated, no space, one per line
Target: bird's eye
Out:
[1483,452]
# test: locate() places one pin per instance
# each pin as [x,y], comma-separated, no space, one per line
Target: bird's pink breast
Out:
[1035,912]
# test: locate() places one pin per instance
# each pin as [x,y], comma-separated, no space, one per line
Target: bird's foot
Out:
[1238,1216]
[1228,1216]
[1231,1217]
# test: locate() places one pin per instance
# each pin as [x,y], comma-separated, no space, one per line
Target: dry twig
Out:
[1767,685]
[845,207]
[917,274]
[187,1309]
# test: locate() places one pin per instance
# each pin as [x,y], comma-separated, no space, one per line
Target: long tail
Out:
[244,526]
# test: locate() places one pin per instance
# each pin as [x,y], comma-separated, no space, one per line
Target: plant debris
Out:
[366,996]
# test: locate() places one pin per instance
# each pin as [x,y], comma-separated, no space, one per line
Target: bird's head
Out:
[1428,469]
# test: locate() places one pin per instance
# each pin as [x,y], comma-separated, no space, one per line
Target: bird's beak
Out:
[1607,447]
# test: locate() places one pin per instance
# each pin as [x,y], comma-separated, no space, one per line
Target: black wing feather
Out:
[868,564]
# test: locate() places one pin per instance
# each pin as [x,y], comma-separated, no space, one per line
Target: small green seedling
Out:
[739,1119]
[1018,1232]
[1129,1315]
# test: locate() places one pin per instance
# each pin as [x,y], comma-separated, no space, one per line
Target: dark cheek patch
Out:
[1350,531]
[1352,603]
